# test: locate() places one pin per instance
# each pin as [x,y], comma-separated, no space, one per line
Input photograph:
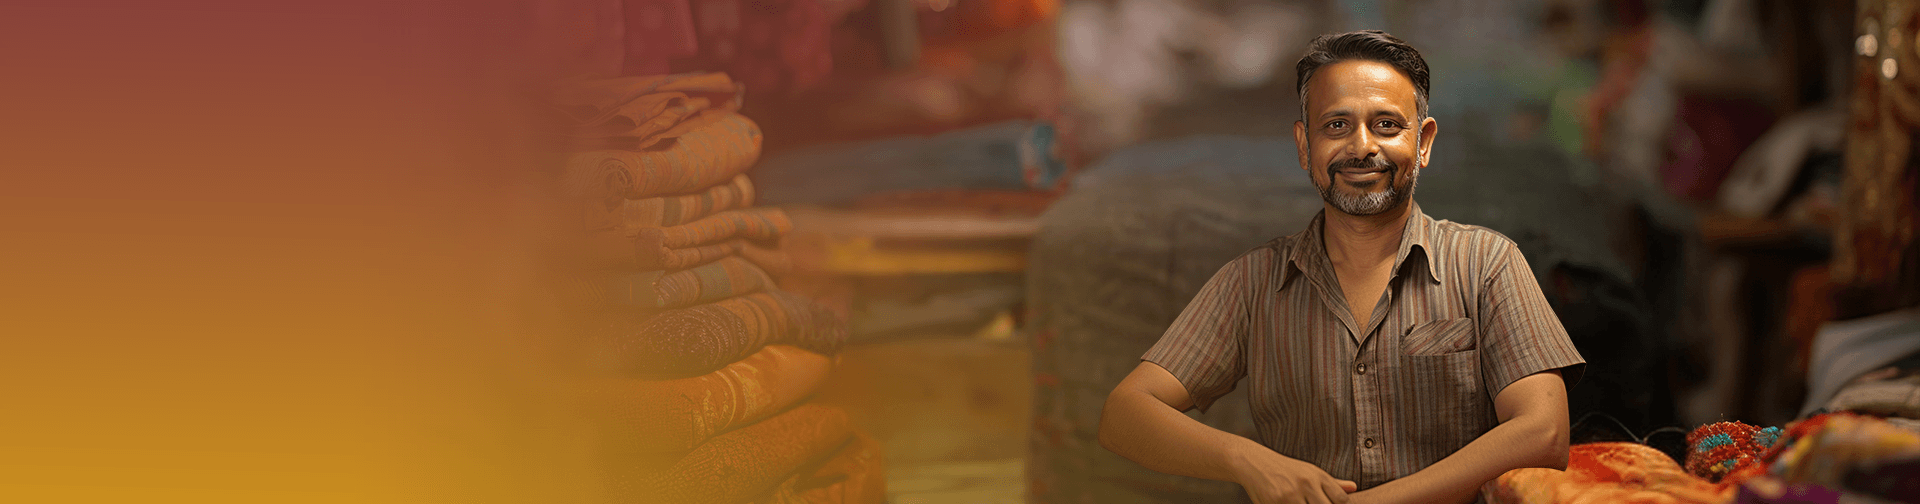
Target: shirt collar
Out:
[1311,250]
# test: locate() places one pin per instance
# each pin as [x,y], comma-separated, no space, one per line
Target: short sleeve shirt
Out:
[1370,400]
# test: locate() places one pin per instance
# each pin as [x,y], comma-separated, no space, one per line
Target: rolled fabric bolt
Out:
[672,417]
[697,340]
[744,463]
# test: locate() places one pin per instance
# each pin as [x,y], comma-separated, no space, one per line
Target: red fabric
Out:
[1607,473]
[772,46]
[657,32]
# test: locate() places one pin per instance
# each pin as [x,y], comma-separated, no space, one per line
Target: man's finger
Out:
[1314,495]
[1348,486]
[1335,494]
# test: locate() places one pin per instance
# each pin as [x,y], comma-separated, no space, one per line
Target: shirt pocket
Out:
[1439,337]
[1448,405]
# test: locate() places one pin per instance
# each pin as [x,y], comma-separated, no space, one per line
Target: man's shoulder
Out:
[1273,250]
[1469,243]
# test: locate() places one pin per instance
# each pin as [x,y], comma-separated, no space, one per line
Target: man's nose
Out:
[1364,144]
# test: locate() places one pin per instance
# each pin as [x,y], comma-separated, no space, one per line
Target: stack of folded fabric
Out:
[709,365]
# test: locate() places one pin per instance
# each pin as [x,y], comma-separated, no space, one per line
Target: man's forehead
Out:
[1367,80]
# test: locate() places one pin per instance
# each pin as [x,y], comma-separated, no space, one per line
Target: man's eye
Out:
[1337,125]
[1388,126]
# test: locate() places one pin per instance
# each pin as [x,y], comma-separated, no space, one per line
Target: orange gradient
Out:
[276,252]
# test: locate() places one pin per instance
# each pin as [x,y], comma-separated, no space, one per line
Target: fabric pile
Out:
[1828,458]
[705,366]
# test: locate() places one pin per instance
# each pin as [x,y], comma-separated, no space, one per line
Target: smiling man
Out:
[1389,357]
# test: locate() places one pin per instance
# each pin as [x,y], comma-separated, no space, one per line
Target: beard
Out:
[1368,203]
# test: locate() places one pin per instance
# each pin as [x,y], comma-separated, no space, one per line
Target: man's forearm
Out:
[1140,427]
[1536,436]
[1522,442]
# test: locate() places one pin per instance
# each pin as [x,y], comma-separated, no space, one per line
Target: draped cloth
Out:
[1607,473]
[672,417]
[700,339]
[743,464]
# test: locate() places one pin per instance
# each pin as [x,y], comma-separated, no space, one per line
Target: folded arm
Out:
[1532,433]
[1142,421]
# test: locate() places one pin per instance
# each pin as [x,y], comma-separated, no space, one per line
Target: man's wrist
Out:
[1240,458]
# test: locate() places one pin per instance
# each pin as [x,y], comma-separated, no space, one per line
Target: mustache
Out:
[1364,163]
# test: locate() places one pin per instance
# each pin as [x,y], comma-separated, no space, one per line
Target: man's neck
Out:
[1364,240]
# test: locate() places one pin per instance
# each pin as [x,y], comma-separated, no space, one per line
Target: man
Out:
[1390,357]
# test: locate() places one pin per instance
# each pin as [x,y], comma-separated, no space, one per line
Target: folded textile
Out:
[674,416]
[773,260]
[725,278]
[639,112]
[612,250]
[665,211]
[1606,473]
[708,155]
[697,340]
[742,464]
[757,224]
[855,475]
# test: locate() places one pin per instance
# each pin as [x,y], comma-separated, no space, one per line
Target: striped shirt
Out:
[1460,319]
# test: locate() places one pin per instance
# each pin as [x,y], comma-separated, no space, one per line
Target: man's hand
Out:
[1142,422]
[1272,478]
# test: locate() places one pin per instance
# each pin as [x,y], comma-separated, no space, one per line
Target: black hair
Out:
[1372,45]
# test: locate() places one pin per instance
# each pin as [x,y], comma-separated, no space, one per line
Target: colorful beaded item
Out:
[1714,450]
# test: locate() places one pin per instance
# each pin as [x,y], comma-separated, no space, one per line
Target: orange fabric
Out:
[1608,473]
[773,260]
[674,416]
[676,210]
[708,155]
[855,475]
[640,112]
[744,464]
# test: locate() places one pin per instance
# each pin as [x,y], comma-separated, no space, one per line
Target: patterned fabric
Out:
[708,155]
[1461,318]
[742,464]
[674,416]
[676,210]
[1714,450]
[698,340]
[1820,459]
[1606,473]
[775,261]
[855,475]
[636,113]
[757,224]
[609,250]
[725,278]
[1836,449]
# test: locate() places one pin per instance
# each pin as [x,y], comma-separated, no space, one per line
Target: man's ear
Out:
[1428,128]
[1300,143]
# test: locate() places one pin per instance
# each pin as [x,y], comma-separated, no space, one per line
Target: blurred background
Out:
[870,250]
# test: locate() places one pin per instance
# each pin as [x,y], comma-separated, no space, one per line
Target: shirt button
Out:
[1361,369]
[1367,444]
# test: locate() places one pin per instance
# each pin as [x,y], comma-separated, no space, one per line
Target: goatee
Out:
[1369,203]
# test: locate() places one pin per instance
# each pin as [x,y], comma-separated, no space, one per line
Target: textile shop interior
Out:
[900,250]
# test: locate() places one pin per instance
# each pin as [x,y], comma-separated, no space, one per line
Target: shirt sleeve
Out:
[1203,347]
[1520,335]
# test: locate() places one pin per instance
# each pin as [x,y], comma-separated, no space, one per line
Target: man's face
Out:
[1359,140]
